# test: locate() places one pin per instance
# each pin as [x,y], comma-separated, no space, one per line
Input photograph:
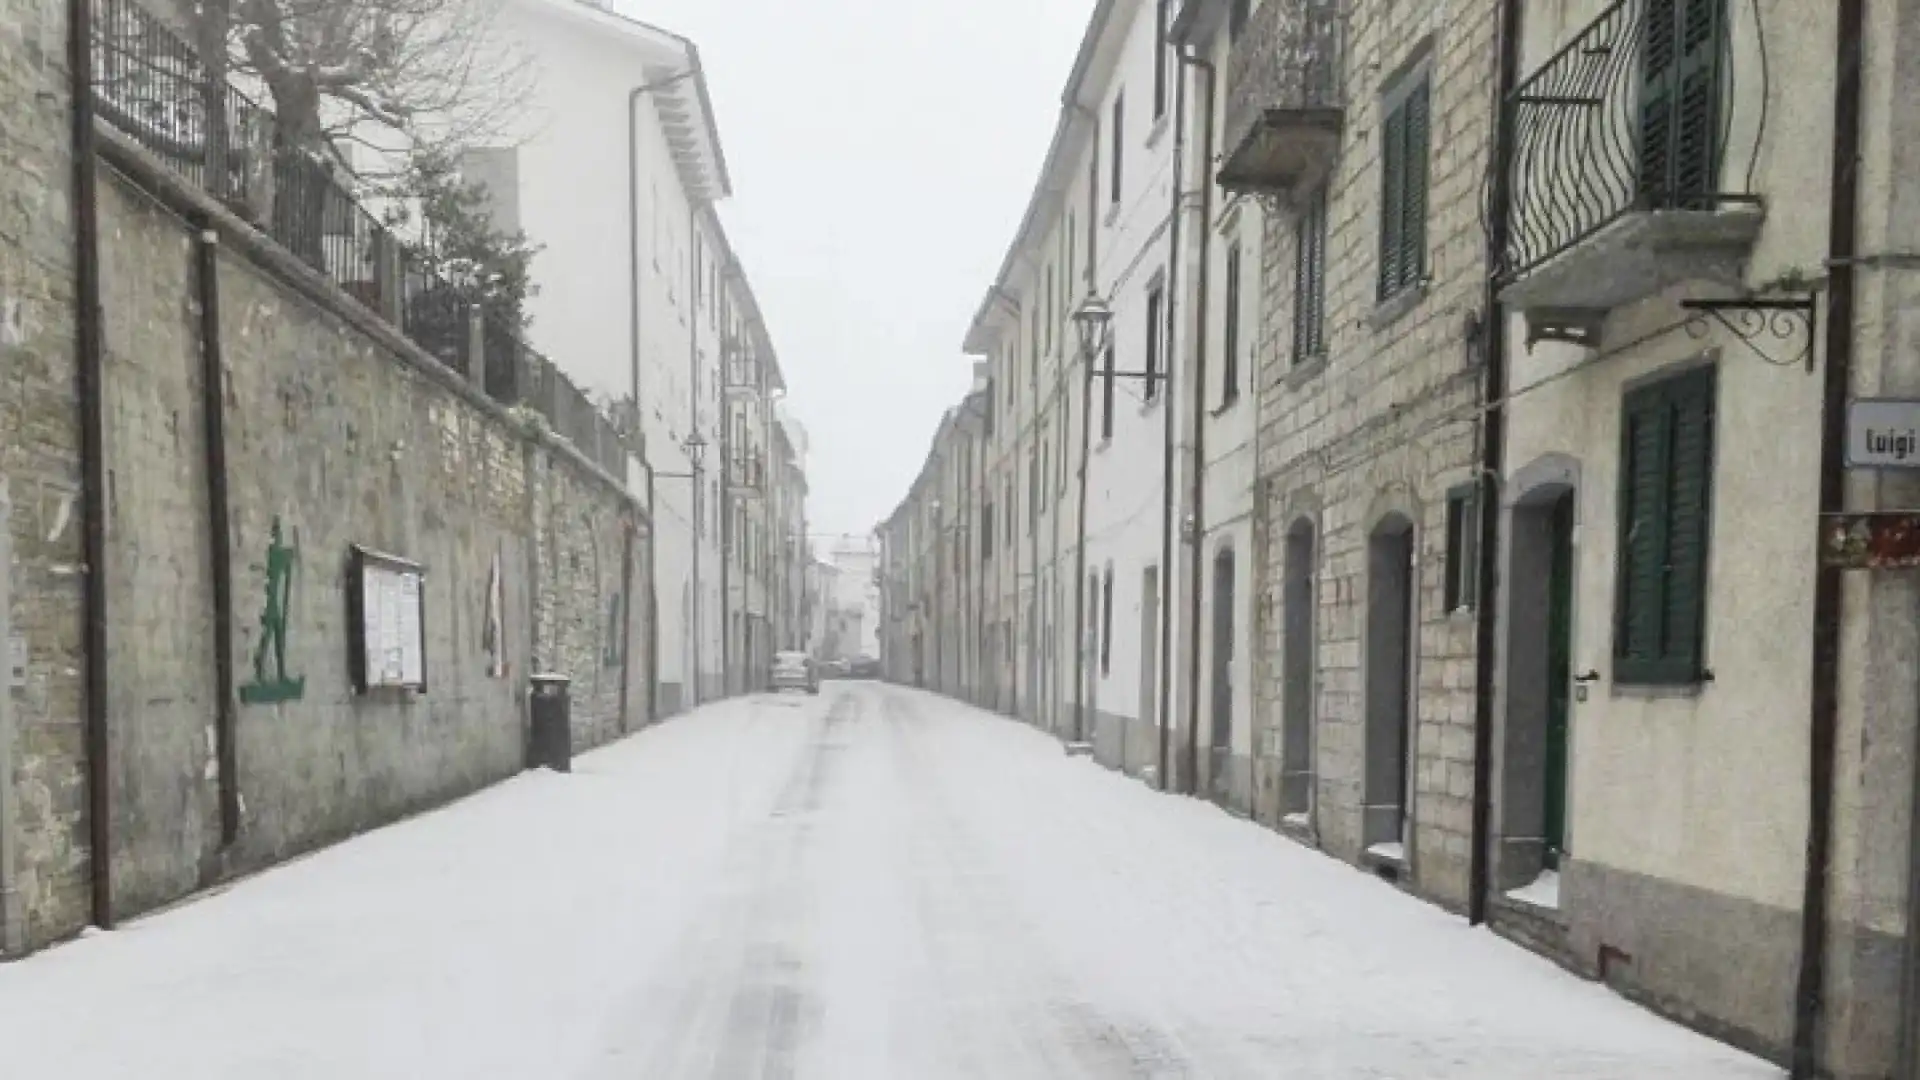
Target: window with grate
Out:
[1682,58]
[1156,305]
[1463,547]
[1403,186]
[1230,334]
[1310,279]
[1666,496]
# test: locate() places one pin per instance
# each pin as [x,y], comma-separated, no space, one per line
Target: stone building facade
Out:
[1367,126]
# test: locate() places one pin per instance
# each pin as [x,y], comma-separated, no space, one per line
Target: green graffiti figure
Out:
[273,631]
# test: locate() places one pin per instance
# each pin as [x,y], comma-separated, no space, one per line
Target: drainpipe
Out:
[697,503]
[1493,334]
[1163,715]
[653,600]
[1828,603]
[1080,621]
[90,366]
[12,930]
[219,530]
[1197,567]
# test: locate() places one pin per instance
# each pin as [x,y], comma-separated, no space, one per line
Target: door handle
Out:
[1590,676]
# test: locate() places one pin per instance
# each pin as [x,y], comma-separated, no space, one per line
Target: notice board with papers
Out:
[387,611]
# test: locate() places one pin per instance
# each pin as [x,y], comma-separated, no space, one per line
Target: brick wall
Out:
[1387,423]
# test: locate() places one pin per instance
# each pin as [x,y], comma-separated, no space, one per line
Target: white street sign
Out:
[1883,433]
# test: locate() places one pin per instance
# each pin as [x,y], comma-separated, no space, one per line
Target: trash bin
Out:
[551,741]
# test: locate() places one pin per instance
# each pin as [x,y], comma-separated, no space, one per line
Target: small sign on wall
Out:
[1883,433]
[387,612]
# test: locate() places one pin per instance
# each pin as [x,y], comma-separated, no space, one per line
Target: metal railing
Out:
[151,84]
[1288,56]
[1633,114]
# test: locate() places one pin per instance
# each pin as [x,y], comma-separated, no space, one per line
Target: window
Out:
[1033,485]
[1013,509]
[1117,136]
[986,532]
[1237,18]
[1160,80]
[1666,493]
[1052,315]
[1106,393]
[1073,253]
[1156,302]
[1230,334]
[1106,622]
[987,420]
[1403,187]
[1680,103]
[1066,426]
[1310,279]
[1463,547]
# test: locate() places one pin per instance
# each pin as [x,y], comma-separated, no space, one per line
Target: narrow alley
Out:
[872,883]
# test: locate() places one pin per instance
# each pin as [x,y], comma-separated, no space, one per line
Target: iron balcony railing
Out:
[1288,56]
[1634,114]
[150,84]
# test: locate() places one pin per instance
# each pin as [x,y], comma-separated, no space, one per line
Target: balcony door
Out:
[1682,61]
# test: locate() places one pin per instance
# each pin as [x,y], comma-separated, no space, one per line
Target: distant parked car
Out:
[864,667]
[793,671]
[833,669]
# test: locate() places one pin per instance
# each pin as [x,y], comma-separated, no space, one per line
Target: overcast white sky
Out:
[882,153]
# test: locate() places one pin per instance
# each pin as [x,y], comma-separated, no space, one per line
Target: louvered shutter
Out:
[1688,502]
[1392,195]
[1309,279]
[1413,214]
[1680,103]
[1642,545]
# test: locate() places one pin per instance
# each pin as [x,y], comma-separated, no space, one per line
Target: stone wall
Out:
[44,800]
[338,433]
[1385,424]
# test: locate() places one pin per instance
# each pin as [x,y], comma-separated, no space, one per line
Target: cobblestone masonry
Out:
[338,436]
[1387,421]
[39,451]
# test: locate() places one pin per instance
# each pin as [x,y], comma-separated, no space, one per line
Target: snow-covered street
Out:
[874,883]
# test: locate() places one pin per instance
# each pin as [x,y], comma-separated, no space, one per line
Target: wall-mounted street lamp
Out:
[695,447]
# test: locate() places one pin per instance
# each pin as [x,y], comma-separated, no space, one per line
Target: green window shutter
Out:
[1666,497]
[1392,195]
[1309,278]
[1643,448]
[1681,54]
[1413,207]
[1689,500]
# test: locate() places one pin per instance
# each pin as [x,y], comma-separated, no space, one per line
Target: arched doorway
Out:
[1388,799]
[1297,695]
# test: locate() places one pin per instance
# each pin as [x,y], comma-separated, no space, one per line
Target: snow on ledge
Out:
[1543,893]
[1393,850]
[1298,819]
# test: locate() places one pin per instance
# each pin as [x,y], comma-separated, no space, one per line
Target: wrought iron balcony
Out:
[741,377]
[746,472]
[1284,98]
[1633,165]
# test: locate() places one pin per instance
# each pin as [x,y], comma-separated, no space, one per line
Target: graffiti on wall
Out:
[271,684]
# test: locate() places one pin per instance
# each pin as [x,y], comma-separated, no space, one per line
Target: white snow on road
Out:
[875,884]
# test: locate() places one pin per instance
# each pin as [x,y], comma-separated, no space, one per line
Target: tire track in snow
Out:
[1023,1003]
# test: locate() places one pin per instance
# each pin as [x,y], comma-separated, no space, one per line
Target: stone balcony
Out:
[1285,106]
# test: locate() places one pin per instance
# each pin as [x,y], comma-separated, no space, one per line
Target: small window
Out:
[986,532]
[1160,80]
[1230,336]
[1106,622]
[1156,304]
[1310,279]
[1106,393]
[1666,495]
[1463,547]
[1237,18]
[1403,187]
[1117,136]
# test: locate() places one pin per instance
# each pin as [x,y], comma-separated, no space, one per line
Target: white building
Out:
[1099,224]
[614,169]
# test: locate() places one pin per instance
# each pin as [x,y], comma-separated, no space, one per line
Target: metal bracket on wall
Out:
[1752,318]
